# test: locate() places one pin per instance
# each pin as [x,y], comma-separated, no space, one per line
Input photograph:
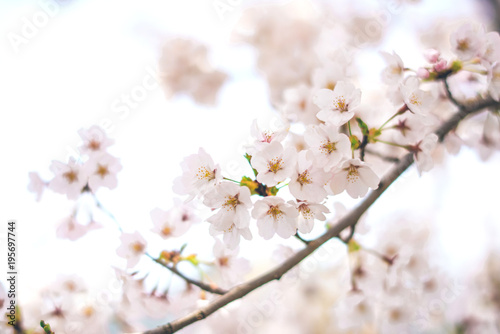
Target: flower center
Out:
[304,178]
[94,145]
[328,147]
[274,212]
[223,261]
[205,174]
[306,212]
[137,247]
[231,202]
[463,44]
[340,104]
[415,100]
[166,231]
[275,165]
[330,85]
[71,176]
[352,174]
[267,136]
[88,311]
[302,105]
[102,170]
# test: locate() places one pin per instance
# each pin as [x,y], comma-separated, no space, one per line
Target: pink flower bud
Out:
[432,55]
[422,73]
[441,65]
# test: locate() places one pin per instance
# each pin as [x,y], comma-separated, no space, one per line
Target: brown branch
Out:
[349,220]
[381,156]
[199,284]
[450,95]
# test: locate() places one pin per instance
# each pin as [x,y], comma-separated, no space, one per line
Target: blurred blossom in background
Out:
[163,78]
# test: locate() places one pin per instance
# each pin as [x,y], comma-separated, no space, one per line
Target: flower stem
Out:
[401,111]
[392,144]
[228,179]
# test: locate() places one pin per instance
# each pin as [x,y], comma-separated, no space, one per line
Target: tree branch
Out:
[199,284]
[349,220]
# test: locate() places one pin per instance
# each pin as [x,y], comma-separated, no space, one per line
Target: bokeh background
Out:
[88,56]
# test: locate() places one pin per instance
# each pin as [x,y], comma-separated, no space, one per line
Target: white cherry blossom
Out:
[101,170]
[233,202]
[71,229]
[95,140]
[308,212]
[355,177]
[298,106]
[394,71]
[274,164]
[494,81]
[417,100]
[468,41]
[133,246]
[492,47]
[422,152]
[274,216]
[69,179]
[337,106]
[308,181]
[36,185]
[200,175]
[327,147]
[169,223]
[231,235]
[231,267]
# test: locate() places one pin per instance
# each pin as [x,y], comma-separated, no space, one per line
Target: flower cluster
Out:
[184,68]
[336,142]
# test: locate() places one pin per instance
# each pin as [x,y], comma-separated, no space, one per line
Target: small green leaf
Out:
[249,158]
[362,125]
[353,246]
[354,142]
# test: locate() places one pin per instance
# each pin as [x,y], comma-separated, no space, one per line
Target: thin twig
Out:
[199,284]
[381,156]
[349,220]
[296,235]
[450,96]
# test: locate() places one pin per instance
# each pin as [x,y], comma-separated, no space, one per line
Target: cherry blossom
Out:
[298,106]
[394,71]
[69,179]
[328,75]
[355,176]
[308,212]
[200,175]
[101,170]
[494,81]
[233,203]
[468,41]
[71,229]
[411,128]
[231,267]
[273,215]
[263,138]
[417,100]
[132,247]
[36,185]
[337,106]
[422,152]
[231,235]
[95,140]
[492,49]
[327,147]
[168,223]
[184,68]
[308,182]
[274,164]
